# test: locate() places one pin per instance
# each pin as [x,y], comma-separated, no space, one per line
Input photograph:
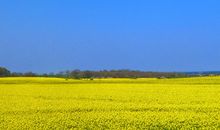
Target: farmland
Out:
[55,103]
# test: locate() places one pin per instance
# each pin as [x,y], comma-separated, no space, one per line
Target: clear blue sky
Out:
[150,35]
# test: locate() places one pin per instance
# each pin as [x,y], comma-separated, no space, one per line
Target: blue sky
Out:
[151,35]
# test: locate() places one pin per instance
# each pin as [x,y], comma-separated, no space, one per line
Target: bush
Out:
[4,72]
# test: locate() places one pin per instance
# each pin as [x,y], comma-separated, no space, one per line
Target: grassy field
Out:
[52,103]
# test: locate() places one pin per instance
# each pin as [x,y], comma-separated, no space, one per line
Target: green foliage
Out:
[78,74]
[4,72]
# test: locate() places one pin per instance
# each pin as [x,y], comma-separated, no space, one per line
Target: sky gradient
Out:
[157,35]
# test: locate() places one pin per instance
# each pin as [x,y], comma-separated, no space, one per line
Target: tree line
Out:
[78,74]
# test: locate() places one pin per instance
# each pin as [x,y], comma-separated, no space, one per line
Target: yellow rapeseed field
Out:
[53,103]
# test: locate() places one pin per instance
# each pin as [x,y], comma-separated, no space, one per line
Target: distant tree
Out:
[4,72]
[51,74]
[76,74]
[44,75]
[67,74]
[61,74]
[87,74]
[29,74]
[16,74]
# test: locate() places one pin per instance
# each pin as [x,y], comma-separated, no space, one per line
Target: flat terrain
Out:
[52,103]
